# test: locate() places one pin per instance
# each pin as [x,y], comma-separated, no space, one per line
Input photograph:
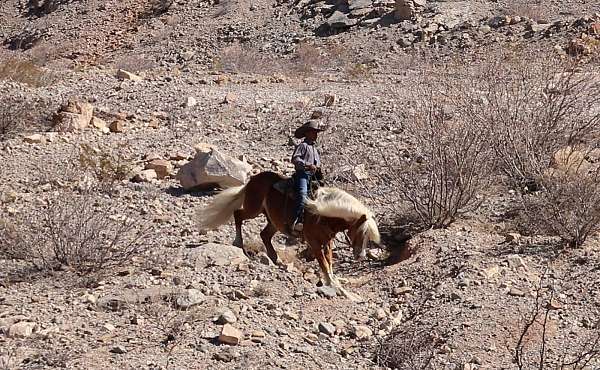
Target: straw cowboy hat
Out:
[309,125]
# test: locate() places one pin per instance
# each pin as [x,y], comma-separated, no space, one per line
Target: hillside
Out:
[241,76]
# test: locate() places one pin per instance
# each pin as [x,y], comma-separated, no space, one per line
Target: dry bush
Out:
[536,12]
[73,230]
[20,114]
[240,59]
[533,106]
[307,59]
[534,349]
[107,169]
[26,72]
[567,205]
[449,166]
[135,63]
[171,325]
[8,358]
[412,346]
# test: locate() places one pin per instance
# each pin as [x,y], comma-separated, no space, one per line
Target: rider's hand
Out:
[310,167]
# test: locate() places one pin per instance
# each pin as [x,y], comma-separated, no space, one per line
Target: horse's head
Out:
[360,233]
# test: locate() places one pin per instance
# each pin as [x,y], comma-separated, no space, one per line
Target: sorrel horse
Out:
[332,211]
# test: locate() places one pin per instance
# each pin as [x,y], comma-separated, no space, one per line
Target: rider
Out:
[306,161]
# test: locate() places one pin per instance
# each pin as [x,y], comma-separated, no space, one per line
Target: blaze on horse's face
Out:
[358,239]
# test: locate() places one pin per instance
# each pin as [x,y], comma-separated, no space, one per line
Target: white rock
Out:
[124,75]
[213,254]
[35,139]
[191,102]
[210,168]
[22,329]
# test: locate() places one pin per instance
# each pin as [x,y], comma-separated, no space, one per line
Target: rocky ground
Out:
[241,76]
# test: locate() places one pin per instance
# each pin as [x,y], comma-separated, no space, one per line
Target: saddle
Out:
[286,186]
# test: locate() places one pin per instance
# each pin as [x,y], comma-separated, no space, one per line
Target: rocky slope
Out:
[239,75]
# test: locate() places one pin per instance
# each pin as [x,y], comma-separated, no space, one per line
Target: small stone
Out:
[291,316]
[90,298]
[516,292]
[124,75]
[163,168]
[109,327]
[327,328]
[476,360]
[227,317]
[230,335]
[117,126]
[258,336]
[23,329]
[145,176]
[191,102]
[398,291]
[553,305]
[120,350]
[190,298]
[361,332]
[35,139]
[380,314]
[100,125]
[312,338]
[327,291]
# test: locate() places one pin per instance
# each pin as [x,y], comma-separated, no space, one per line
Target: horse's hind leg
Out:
[266,235]
[251,209]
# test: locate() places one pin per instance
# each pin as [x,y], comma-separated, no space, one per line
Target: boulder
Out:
[73,116]
[340,20]
[213,254]
[211,168]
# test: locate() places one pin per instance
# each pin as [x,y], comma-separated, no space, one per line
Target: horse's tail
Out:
[220,210]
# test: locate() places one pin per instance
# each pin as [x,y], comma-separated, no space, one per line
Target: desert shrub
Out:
[26,72]
[239,59]
[534,349]
[135,63]
[449,166]
[410,347]
[533,106]
[106,168]
[19,113]
[75,231]
[307,59]
[567,203]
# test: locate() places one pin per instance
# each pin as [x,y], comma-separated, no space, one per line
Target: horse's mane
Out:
[333,202]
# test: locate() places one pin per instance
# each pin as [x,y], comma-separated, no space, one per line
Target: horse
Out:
[330,212]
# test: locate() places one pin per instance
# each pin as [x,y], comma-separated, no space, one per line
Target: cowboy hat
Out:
[309,125]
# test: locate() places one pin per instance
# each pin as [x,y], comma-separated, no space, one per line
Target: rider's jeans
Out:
[302,179]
